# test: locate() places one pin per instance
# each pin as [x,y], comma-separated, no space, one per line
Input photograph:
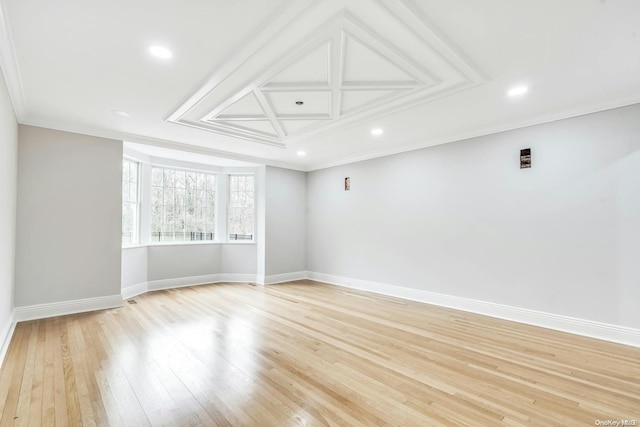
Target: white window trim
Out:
[138,203]
[217,198]
[145,163]
[228,197]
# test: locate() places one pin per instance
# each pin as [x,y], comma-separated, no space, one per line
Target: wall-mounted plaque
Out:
[525,158]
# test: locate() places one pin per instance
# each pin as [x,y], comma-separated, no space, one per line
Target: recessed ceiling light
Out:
[301,153]
[160,52]
[121,113]
[517,91]
[377,131]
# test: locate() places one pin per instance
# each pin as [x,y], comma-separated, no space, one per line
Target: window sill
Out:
[152,245]
[138,246]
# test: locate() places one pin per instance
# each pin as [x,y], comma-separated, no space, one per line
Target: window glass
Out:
[182,205]
[241,207]
[130,203]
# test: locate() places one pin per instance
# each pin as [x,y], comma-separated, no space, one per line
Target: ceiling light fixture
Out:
[299,102]
[121,113]
[517,91]
[301,153]
[376,131]
[160,52]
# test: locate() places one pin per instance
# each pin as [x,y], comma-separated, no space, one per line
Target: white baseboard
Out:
[181,282]
[5,335]
[236,278]
[41,311]
[284,277]
[589,328]
[135,290]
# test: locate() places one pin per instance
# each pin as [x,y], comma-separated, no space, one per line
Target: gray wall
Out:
[160,262]
[8,179]
[134,266]
[285,228]
[238,258]
[174,261]
[69,216]
[462,219]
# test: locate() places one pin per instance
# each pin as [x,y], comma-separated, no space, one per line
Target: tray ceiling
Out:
[309,80]
[422,72]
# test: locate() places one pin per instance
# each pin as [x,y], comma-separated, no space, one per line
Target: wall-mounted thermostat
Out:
[525,158]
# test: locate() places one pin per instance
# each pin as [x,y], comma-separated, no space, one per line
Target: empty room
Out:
[320,213]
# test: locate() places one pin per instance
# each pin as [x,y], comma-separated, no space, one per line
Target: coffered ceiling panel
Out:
[329,74]
[291,127]
[353,100]
[425,72]
[246,107]
[300,104]
[312,69]
[363,64]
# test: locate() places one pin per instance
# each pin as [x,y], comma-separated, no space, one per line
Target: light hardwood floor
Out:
[306,353]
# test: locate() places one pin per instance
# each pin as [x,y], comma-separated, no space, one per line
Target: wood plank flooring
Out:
[307,354]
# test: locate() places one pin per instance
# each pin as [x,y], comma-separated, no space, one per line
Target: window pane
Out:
[125,170]
[133,171]
[180,179]
[130,216]
[191,179]
[168,196]
[241,211]
[156,196]
[156,176]
[133,192]
[179,208]
[169,178]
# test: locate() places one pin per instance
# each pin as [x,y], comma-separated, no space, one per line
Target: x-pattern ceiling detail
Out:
[333,76]
[324,84]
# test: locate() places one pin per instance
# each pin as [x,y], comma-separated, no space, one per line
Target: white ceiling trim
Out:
[74,127]
[9,65]
[461,136]
[270,28]
[407,11]
[413,83]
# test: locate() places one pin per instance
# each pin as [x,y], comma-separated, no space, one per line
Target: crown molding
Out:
[159,142]
[9,65]
[462,136]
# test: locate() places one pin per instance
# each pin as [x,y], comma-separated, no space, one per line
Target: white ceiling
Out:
[427,71]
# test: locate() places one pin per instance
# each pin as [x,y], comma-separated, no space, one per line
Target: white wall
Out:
[181,261]
[8,179]
[238,258]
[285,221]
[69,216]
[462,219]
[176,261]
[134,266]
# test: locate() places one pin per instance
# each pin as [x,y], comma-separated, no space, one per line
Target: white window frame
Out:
[222,188]
[228,199]
[137,203]
[150,185]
